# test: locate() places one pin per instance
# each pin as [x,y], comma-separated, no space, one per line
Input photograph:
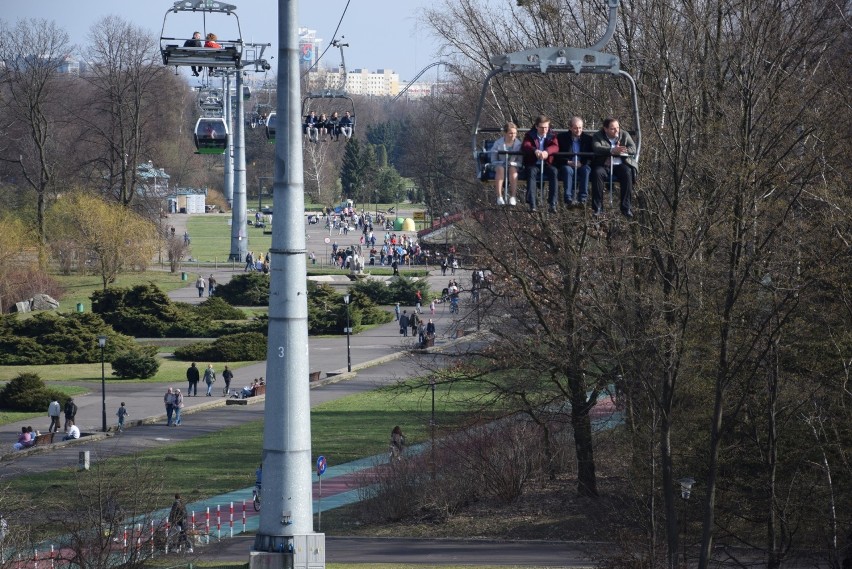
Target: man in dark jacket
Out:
[194,42]
[404,323]
[70,411]
[538,149]
[177,519]
[193,377]
[613,148]
[573,162]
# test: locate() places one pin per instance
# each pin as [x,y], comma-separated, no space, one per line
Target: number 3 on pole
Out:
[280,351]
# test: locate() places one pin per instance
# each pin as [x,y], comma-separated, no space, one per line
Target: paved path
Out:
[379,356]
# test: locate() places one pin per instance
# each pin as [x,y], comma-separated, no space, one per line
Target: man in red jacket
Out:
[538,148]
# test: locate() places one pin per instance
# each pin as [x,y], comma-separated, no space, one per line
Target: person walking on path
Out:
[418,301]
[122,414]
[430,329]
[178,407]
[70,411]
[200,285]
[227,375]
[177,519]
[53,411]
[397,444]
[413,322]
[403,323]
[432,307]
[169,402]
[193,376]
[396,311]
[211,285]
[209,379]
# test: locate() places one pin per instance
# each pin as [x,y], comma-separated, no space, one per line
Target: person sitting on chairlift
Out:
[212,43]
[194,42]
[346,125]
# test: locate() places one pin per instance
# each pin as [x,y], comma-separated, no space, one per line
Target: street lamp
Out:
[432,426]
[348,333]
[102,343]
[686,485]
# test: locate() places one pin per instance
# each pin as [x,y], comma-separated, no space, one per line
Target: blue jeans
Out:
[578,176]
[535,175]
[169,411]
[209,388]
[177,415]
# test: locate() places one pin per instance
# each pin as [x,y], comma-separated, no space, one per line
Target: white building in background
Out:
[379,83]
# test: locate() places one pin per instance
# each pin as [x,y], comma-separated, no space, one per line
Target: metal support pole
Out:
[432,427]
[286,519]
[103,391]
[239,235]
[102,340]
[229,151]
[348,334]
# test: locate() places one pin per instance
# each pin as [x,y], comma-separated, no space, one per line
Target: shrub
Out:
[139,363]
[21,283]
[377,291]
[403,289]
[28,392]
[245,346]
[146,311]
[141,311]
[215,308]
[56,338]
[247,289]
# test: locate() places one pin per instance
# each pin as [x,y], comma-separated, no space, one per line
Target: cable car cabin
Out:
[211,135]
[218,52]
[271,126]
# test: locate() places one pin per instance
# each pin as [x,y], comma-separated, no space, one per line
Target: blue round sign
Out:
[321,464]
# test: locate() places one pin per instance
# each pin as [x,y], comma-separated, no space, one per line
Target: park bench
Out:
[43,439]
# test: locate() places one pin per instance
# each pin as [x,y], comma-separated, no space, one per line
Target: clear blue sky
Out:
[381,33]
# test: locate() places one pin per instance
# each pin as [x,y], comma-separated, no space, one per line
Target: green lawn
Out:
[211,238]
[169,370]
[225,461]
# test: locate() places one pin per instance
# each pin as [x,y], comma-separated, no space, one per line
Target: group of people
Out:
[209,41]
[201,285]
[323,128]
[260,264]
[422,329]
[574,156]
[194,376]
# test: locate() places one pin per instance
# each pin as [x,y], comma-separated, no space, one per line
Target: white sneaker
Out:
[513,201]
[501,201]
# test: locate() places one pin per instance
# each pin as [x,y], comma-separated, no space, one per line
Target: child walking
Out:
[122,413]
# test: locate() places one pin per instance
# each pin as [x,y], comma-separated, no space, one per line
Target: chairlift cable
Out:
[330,45]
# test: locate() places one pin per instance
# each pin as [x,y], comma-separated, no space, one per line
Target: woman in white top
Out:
[508,142]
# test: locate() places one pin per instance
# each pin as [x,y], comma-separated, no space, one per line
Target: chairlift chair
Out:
[173,49]
[547,60]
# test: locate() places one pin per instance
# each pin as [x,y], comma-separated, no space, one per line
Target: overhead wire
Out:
[329,46]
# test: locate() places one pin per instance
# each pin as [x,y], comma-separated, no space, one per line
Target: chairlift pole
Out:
[229,155]
[239,249]
[286,524]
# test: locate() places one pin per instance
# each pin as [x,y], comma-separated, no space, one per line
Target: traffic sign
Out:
[321,465]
